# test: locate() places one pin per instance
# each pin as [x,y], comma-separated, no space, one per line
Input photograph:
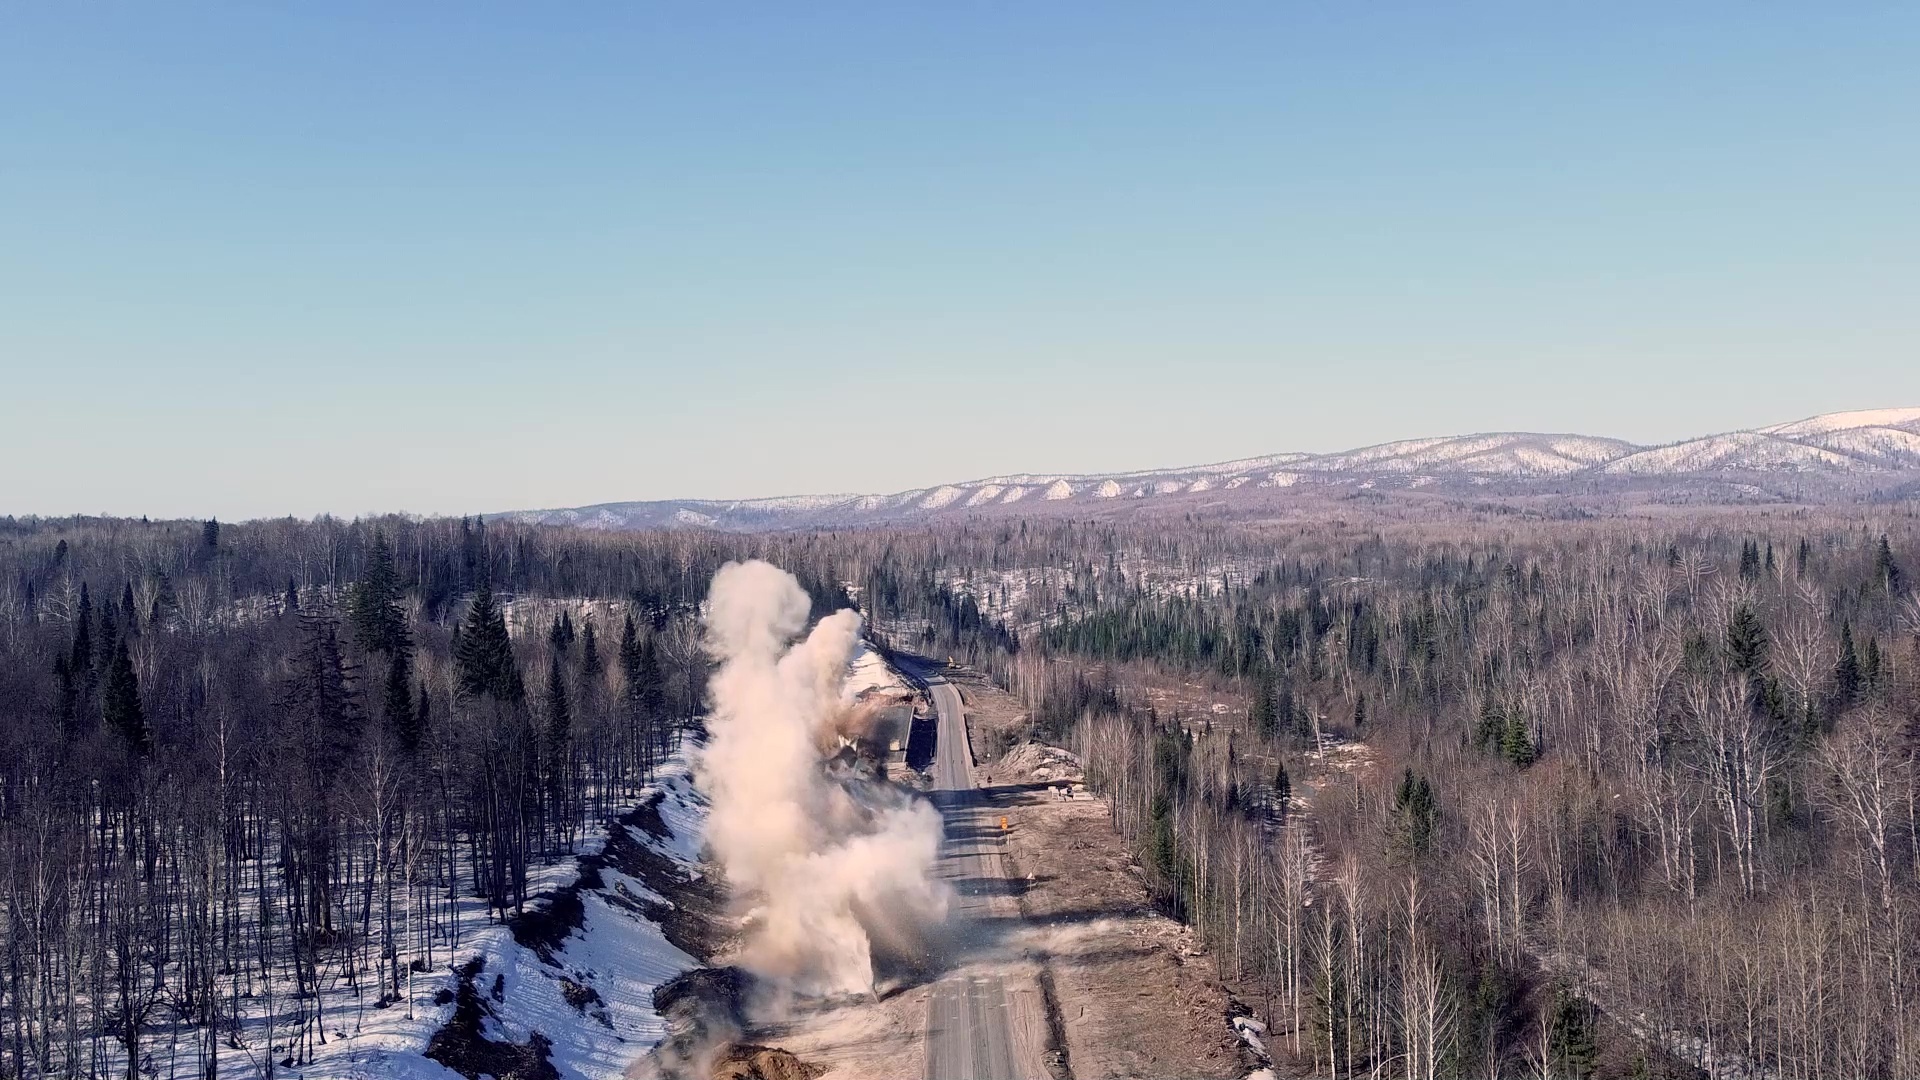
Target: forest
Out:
[1476,794]
[1516,798]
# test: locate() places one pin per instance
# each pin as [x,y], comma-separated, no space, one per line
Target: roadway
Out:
[978,1026]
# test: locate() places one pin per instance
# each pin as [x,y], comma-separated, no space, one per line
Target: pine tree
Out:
[1266,712]
[1885,571]
[1746,641]
[1575,1050]
[120,701]
[1846,671]
[589,655]
[80,656]
[483,654]
[1415,812]
[403,719]
[1516,745]
[373,606]
[559,734]
[324,708]
[1492,726]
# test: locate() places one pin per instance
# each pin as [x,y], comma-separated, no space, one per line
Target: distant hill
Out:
[1833,457]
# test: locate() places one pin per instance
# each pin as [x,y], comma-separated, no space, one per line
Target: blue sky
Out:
[448,258]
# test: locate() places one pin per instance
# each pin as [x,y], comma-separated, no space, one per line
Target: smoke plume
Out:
[839,866]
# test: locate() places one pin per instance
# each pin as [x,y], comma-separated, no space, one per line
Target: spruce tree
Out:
[1846,671]
[403,719]
[129,612]
[1282,790]
[1746,641]
[589,655]
[1492,727]
[120,701]
[1886,572]
[1516,745]
[80,655]
[1575,1049]
[373,606]
[483,655]
[1266,712]
[559,734]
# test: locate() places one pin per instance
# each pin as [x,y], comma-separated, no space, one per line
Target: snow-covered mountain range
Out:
[1836,456]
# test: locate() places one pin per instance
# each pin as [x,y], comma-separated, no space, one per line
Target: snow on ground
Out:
[868,670]
[615,952]
[941,496]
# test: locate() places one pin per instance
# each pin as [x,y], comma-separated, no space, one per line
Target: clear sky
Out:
[275,258]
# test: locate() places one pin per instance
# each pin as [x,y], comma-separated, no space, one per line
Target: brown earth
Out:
[1132,991]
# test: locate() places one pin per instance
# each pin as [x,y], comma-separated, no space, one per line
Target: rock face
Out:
[704,1012]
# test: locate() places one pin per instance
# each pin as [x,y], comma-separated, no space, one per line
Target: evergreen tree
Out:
[1516,745]
[210,534]
[120,701]
[319,701]
[1800,558]
[1576,1051]
[1769,561]
[80,655]
[630,654]
[423,712]
[653,687]
[1746,641]
[559,734]
[129,612]
[1749,560]
[403,719]
[483,655]
[589,655]
[1266,712]
[1359,714]
[1282,790]
[1885,571]
[1870,665]
[1415,812]
[291,606]
[1492,726]
[166,602]
[1846,670]
[373,606]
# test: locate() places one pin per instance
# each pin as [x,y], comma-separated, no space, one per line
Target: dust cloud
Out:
[837,864]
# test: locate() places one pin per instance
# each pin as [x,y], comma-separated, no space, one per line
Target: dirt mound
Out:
[745,1061]
[1037,762]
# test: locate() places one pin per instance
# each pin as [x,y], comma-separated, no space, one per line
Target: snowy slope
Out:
[615,953]
[1846,452]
